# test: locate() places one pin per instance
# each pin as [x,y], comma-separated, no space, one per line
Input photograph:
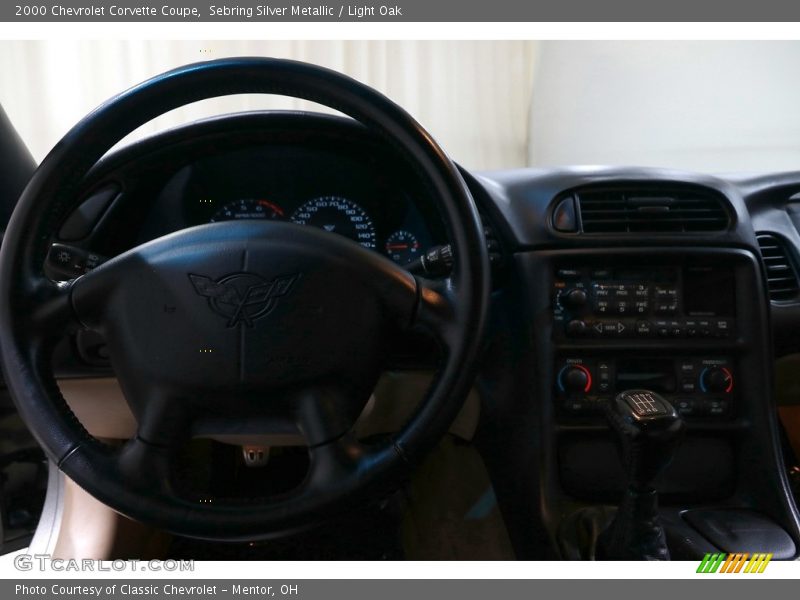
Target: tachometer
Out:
[338,215]
[248,208]
[402,247]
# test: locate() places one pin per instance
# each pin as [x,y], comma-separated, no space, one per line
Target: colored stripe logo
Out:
[738,562]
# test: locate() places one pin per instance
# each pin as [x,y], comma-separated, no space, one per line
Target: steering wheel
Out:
[238,326]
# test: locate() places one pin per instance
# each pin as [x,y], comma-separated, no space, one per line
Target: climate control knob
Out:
[716,379]
[573,299]
[574,378]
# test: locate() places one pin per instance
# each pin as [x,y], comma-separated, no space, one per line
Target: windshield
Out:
[700,106]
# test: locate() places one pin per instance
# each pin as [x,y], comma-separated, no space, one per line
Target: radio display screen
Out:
[708,292]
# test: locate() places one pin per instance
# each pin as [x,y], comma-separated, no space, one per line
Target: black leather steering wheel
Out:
[236,326]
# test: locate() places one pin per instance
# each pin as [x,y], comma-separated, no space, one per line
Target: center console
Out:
[688,324]
[604,309]
[637,302]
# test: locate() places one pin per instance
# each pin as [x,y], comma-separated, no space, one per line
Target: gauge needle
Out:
[397,246]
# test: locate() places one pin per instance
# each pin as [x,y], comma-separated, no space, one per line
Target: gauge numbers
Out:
[338,215]
[335,214]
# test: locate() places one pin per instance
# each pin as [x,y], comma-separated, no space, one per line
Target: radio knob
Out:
[574,298]
[576,328]
[716,379]
[576,378]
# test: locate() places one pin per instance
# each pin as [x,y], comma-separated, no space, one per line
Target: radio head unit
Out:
[680,301]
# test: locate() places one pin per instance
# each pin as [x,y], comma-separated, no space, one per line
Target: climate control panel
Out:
[698,386]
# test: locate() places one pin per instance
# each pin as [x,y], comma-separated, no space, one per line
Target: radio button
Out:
[722,328]
[576,328]
[612,328]
[643,328]
[666,308]
[574,299]
[704,327]
[666,294]
[688,385]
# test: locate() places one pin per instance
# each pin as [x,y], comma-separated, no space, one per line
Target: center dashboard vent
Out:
[782,279]
[651,210]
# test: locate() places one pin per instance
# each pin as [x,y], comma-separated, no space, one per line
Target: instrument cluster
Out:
[353,195]
[334,214]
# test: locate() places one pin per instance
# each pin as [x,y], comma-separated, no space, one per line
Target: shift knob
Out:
[649,430]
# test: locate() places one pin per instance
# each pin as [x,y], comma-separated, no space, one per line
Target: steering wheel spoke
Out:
[164,426]
[324,413]
[335,462]
[165,420]
[50,311]
[147,466]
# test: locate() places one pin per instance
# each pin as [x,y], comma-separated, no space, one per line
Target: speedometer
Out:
[338,215]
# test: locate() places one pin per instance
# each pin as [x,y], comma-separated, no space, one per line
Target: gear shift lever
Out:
[649,430]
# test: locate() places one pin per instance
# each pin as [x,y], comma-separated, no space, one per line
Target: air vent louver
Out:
[782,281]
[632,210]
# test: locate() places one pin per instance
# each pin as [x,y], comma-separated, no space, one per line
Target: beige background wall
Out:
[473,96]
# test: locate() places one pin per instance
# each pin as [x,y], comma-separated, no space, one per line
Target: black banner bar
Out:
[402,589]
[397,11]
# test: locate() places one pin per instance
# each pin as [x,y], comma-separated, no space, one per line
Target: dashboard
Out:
[609,279]
[333,177]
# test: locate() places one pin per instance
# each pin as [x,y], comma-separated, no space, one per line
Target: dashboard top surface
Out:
[332,173]
[200,172]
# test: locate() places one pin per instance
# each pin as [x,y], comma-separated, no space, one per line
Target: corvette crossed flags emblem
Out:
[242,297]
